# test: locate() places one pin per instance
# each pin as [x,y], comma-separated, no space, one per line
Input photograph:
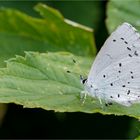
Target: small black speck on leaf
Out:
[74,61]
[68,71]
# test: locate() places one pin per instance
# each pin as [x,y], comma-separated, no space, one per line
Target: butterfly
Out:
[115,73]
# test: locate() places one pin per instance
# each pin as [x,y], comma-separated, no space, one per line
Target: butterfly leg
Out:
[83,96]
[108,103]
[102,106]
[100,100]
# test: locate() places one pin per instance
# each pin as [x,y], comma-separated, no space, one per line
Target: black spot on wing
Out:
[133,46]
[120,64]
[132,77]
[125,42]
[128,48]
[111,84]
[135,53]
[128,92]
[119,71]
[131,72]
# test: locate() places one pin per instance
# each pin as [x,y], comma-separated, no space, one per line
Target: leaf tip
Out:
[46,11]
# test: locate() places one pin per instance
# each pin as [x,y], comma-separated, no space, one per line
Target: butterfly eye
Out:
[84,81]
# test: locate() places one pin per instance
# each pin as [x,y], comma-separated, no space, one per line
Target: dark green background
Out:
[21,122]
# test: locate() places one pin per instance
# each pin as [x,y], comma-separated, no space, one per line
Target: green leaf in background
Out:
[88,13]
[138,138]
[51,81]
[70,33]
[134,128]
[20,32]
[119,11]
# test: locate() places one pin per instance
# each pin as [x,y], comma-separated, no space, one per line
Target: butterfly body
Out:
[115,73]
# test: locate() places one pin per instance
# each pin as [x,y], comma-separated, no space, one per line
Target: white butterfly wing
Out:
[116,47]
[116,69]
[121,83]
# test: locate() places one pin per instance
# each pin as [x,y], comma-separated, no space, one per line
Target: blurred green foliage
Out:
[89,13]
[123,11]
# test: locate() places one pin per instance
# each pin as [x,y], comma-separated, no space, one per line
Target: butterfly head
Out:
[83,80]
[90,88]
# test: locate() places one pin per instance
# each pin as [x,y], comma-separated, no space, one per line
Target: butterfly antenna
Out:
[82,79]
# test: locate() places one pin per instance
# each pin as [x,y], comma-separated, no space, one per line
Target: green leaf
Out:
[20,32]
[76,38]
[138,138]
[49,13]
[119,11]
[51,81]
